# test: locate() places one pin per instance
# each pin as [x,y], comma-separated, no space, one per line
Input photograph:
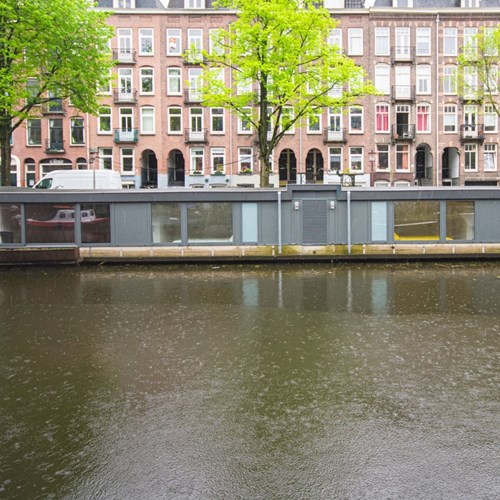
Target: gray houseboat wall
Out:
[299,221]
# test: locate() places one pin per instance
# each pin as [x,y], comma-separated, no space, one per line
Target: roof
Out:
[433,4]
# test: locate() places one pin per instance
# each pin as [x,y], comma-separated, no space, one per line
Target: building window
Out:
[355,41]
[147,81]
[216,41]
[127,160]
[174,42]
[123,4]
[356,159]
[416,220]
[287,120]
[106,158]
[382,157]
[197,163]
[490,118]
[126,123]
[196,123]
[195,84]
[218,159]
[217,121]
[125,84]
[147,120]
[356,120]
[382,42]
[195,4]
[34,132]
[470,162]
[81,164]
[195,44]
[450,118]
[30,172]
[124,39]
[174,82]
[245,163]
[335,158]
[335,37]
[470,82]
[382,118]
[423,41]
[314,124]
[491,83]
[450,42]
[175,120]
[423,79]
[146,41]
[450,80]
[402,157]
[423,118]
[403,43]
[244,124]
[77,132]
[104,120]
[56,142]
[470,41]
[382,78]
[490,157]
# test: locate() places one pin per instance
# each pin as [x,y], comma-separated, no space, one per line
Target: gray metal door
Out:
[314,222]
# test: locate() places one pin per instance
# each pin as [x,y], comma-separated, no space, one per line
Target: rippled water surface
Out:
[255,382]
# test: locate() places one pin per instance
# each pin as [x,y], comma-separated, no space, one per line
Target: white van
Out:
[80,179]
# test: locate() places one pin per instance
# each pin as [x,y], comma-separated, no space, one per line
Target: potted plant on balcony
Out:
[196,172]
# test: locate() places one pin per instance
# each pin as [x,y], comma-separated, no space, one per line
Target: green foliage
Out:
[49,48]
[283,69]
[478,64]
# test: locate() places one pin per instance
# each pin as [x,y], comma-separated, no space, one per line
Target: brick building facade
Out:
[153,129]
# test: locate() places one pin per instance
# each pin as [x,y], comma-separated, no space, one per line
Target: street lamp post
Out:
[371,157]
[93,155]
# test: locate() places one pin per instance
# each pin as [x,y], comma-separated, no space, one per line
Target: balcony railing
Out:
[192,96]
[131,135]
[124,56]
[52,147]
[405,132]
[122,96]
[199,136]
[471,133]
[332,135]
[402,53]
[403,93]
[55,107]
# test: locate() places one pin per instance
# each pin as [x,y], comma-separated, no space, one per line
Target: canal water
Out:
[250,382]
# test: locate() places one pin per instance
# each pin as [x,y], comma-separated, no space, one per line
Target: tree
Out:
[49,49]
[283,69]
[478,64]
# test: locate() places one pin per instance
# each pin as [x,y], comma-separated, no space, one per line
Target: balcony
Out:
[192,96]
[403,133]
[124,97]
[402,54]
[121,136]
[196,136]
[332,135]
[124,56]
[403,93]
[471,133]
[54,147]
[54,107]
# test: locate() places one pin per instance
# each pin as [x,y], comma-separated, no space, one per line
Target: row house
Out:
[420,129]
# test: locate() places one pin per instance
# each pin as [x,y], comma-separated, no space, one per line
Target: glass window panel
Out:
[459,220]
[10,229]
[95,222]
[416,220]
[379,221]
[209,222]
[249,216]
[166,223]
[47,223]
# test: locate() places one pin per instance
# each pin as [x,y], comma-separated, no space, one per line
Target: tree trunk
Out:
[265,168]
[5,157]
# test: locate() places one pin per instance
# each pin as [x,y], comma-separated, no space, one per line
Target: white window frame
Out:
[379,112]
[383,149]
[29,127]
[470,157]
[213,35]
[174,42]
[450,80]
[335,37]
[124,157]
[174,80]
[423,79]
[148,117]
[174,116]
[314,124]
[490,151]
[105,158]
[355,41]
[218,153]
[71,125]
[197,160]
[335,152]
[352,115]
[382,41]
[217,114]
[428,114]
[143,77]
[356,157]
[470,40]
[195,43]
[423,41]
[194,4]
[490,118]
[245,158]
[244,128]
[146,34]
[402,150]
[450,118]
[383,78]
[109,116]
[450,42]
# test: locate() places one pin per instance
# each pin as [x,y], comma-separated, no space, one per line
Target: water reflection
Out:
[250,382]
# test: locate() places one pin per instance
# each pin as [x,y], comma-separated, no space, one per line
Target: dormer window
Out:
[467,4]
[194,4]
[123,4]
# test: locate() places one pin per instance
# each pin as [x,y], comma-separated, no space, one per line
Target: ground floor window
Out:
[490,157]
[470,157]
